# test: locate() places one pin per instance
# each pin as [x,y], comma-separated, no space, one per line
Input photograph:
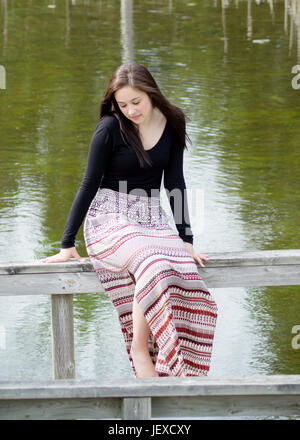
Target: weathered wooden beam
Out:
[219,259]
[231,269]
[60,409]
[251,276]
[134,408]
[63,360]
[49,283]
[152,387]
[170,397]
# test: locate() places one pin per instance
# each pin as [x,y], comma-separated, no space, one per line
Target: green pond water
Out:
[231,71]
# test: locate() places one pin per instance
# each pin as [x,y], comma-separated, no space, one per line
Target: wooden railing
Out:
[143,398]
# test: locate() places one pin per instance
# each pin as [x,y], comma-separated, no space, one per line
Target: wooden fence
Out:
[151,397]
[164,397]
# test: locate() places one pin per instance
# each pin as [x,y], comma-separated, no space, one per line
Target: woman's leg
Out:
[139,349]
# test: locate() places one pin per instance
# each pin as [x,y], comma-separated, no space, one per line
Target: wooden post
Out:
[136,408]
[63,362]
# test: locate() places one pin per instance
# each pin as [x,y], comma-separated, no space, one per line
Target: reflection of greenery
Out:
[50,107]
[276,311]
[88,308]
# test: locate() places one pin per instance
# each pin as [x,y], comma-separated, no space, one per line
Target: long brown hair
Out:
[137,76]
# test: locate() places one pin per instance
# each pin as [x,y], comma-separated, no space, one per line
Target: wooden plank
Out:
[49,283]
[170,397]
[162,407]
[222,259]
[251,276]
[88,282]
[231,269]
[36,266]
[254,258]
[153,387]
[60,409]
[63,361]
[136,408]
[234,406]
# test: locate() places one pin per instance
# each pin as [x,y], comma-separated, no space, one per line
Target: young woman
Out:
[148,268]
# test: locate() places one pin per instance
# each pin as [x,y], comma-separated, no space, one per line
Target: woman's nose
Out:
[131,111]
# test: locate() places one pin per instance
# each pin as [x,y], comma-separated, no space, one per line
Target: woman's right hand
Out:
[63,255]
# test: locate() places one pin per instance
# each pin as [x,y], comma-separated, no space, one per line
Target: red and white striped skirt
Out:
[136,253]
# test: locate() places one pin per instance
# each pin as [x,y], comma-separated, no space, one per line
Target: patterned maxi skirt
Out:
[136,253]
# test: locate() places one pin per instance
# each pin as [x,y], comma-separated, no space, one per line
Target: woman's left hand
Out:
[197,257]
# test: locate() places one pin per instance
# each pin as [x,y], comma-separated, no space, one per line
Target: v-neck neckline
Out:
[159,140]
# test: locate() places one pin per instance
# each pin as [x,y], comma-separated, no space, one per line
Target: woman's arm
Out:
[174,183]
[99,152]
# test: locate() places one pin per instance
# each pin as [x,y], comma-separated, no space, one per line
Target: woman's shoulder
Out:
[110,122]
[108,128]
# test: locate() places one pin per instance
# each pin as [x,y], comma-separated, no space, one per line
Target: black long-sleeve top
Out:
[110,161]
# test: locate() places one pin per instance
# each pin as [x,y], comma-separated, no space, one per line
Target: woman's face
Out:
[134,104]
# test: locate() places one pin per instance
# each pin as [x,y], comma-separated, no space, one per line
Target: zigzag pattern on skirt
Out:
[136,253]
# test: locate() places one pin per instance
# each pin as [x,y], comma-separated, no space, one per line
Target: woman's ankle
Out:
[143,364]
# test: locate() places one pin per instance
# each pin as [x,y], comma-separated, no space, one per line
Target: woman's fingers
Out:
[200,261]
[199,258]
[62,256]
[203,257]
[54,259]
[77,256]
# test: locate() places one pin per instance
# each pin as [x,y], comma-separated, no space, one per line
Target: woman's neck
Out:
[155,119]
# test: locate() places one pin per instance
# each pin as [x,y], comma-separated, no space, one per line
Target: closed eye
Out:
[134,103]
